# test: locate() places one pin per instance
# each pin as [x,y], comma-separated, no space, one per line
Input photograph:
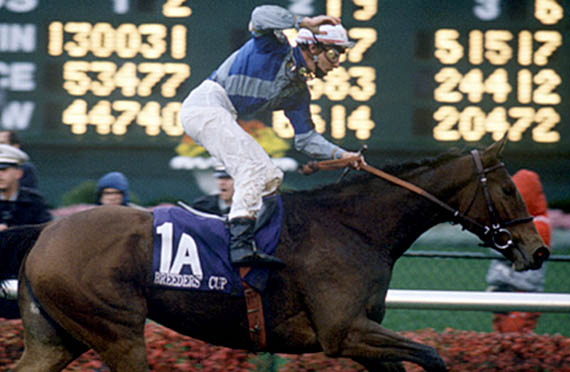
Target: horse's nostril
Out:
[539,256]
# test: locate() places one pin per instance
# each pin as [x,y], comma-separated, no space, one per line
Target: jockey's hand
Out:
[313,23]
[354,164]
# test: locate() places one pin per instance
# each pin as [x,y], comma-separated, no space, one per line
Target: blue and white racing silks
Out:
[263,75]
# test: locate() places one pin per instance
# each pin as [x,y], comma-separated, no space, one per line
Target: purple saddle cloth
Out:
[191,249]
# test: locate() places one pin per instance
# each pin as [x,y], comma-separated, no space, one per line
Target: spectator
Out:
[29,178]
[502,278]
[220,202]
[113,189]
[18,206]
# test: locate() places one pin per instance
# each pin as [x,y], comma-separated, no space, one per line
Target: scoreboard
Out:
[90,71]
[423,75]
[422,72]
[504,80]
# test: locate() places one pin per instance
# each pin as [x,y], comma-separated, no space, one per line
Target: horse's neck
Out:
[394,217]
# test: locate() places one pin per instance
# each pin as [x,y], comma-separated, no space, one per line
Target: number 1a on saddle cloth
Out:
[191,250]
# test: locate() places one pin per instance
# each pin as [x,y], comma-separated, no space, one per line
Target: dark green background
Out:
[401,109]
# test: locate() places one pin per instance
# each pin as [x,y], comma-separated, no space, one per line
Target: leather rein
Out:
[494,235]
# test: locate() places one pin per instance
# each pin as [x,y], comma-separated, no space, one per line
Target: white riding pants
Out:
[209,118]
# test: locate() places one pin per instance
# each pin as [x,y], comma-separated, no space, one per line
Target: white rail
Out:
[9,289]
[478,301]
[438,300]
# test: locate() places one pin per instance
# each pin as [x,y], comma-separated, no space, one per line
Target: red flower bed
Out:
[462,350]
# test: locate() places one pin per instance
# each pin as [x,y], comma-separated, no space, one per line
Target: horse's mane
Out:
[301,205]
[393,169]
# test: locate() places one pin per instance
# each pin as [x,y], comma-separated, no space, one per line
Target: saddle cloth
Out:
[191,249]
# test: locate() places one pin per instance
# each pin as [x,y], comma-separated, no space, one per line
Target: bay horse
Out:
[86,283]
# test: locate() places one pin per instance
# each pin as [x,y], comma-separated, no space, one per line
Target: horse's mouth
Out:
[522,261]
[519,265]
[539,257]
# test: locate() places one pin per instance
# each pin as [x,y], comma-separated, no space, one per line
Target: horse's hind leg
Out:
[370,343]
[125,355]
[48,347]
[115,330]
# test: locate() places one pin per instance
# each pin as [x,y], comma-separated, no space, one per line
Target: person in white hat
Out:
[30,173]
[18,206]
[220,202]
[266,73]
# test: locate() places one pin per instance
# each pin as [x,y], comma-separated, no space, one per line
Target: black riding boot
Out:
[243,251]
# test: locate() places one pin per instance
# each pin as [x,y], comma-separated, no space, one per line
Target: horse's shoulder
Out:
[132,215]
[120,210]
[119,216]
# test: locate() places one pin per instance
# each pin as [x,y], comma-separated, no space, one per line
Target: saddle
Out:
[191,252]
[191,249]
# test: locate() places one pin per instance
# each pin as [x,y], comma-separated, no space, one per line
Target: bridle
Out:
[493,235]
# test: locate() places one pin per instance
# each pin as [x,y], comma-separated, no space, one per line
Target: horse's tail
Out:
[15,242]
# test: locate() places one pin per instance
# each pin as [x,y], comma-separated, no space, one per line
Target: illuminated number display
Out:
[496,82]
[97,70]
[419,77]
[99,77]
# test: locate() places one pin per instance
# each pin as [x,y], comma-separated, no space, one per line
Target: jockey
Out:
[266,73]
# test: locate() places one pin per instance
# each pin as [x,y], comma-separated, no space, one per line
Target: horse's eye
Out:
[509,190]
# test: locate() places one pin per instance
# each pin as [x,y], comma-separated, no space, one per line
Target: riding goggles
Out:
[334,54]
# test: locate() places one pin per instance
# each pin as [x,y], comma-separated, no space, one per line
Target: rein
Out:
[495,235]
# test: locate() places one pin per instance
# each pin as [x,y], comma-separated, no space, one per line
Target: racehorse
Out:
[86,283]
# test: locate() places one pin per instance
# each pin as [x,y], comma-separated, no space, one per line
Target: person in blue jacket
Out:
[266,73]
[113,189]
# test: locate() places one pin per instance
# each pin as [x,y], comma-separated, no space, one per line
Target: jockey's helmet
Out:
[329,35]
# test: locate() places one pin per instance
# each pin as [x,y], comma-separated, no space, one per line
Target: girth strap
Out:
[255,317]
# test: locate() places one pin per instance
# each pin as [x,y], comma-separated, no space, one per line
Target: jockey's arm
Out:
[308,141]
[272,17]
[317,146]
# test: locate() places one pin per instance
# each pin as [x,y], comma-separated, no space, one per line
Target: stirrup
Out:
[243,251]
[245,257]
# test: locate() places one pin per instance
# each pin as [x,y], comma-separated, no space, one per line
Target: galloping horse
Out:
[87,281]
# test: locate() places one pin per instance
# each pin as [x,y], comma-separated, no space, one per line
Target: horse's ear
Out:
[496,149]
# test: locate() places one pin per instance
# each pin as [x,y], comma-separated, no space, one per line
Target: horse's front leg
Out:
[371,344]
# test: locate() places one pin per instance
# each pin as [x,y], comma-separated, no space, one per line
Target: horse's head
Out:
[498,213]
